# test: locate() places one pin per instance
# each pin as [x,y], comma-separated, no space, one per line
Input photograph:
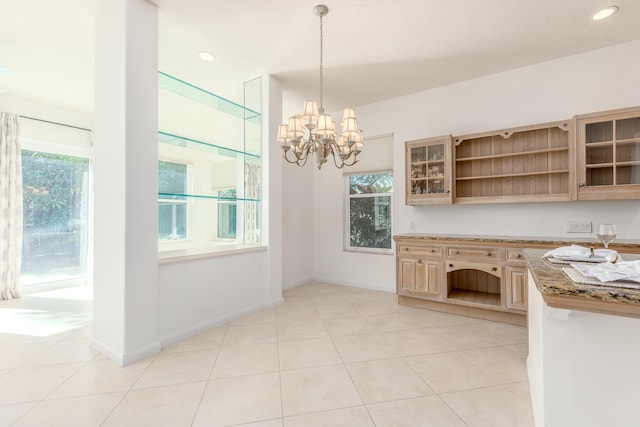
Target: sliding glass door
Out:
[56,217]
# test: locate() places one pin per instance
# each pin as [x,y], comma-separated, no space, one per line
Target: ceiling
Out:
[374,49]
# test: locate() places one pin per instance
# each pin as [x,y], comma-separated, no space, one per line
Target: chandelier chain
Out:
[321,67]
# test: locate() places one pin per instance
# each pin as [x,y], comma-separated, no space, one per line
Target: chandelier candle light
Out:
[315,132]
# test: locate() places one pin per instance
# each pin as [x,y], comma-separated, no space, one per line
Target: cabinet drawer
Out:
[515,255]
[484,254]
[420,250]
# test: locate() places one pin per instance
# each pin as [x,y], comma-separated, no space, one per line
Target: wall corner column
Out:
[125,325]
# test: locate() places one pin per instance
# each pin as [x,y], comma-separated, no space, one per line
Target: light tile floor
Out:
[329,356]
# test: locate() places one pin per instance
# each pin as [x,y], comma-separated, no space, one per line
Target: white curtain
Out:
[10,207]
[252,191]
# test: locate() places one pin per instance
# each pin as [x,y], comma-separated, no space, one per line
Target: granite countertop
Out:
[621,244]
[551,280]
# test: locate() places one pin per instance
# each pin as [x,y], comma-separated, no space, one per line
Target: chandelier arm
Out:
[332,149]
[355,160]
[284,155]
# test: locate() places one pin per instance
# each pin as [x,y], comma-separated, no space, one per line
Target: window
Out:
[172,201]
[227,210]
[55,211]
[369,211]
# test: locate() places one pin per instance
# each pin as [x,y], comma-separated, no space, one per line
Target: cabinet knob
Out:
[582,184]
[494,269]
[488,253]
[433,250]
[456,252]
[406,249]
[518,256]
[450,265]
[419,261]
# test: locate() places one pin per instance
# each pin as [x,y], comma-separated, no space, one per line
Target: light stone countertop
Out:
[552,281]
[620,245]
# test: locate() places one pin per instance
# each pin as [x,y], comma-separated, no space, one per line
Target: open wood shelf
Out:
[515,164]
[475,297]
[524,153]
[511,175]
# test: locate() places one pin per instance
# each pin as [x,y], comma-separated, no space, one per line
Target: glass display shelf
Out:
[183,196]
[194,144]
[202,96]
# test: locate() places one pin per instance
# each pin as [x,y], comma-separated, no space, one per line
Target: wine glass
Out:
[606,233]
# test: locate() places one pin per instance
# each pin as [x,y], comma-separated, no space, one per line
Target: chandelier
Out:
[315,132]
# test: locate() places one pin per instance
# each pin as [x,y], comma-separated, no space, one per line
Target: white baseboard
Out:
[215,322]
[274,302]
[296,283]
[374,287]
[128,357]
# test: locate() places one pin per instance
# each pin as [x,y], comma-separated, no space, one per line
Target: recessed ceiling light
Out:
[206,56]
[604,13]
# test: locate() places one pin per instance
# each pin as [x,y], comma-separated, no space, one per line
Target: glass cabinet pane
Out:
[419,187]
[599,155]
[436,171]
[599,132]
[628,175]
[628,128]
[628,152]
[418,154]
[436,152]
[599,176]
[436,186]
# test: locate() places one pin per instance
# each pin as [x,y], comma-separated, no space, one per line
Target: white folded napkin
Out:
[608,272]
[573,252]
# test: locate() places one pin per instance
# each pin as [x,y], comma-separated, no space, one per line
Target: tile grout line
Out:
[208,380]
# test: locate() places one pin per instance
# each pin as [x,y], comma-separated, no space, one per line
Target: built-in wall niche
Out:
[218,143]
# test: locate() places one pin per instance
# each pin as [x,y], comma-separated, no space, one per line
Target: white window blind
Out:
[377,155]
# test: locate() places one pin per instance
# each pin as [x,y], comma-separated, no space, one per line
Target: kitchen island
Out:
[584,349]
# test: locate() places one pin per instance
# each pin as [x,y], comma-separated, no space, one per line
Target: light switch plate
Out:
[578,226]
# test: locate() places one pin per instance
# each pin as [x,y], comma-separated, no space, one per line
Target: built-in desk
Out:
[584,349]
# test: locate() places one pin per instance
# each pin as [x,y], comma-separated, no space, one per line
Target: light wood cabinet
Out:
[516,287]
[486,279]
[418,276]
[428,171]
[524,164]
[609,155]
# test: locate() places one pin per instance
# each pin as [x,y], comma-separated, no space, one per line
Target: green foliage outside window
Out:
[52,190]
[370,210]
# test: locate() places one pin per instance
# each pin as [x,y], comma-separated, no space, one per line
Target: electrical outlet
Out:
[578,226]
[412,225]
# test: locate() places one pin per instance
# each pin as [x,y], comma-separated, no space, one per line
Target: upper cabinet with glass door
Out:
[609,155]
[428,171]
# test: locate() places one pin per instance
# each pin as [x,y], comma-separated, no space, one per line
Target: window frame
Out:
[226,202]
[169,244]
[347,213]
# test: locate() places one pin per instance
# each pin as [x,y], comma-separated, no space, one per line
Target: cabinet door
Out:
[420,277]
[516,287]
[609,155]
[428,171]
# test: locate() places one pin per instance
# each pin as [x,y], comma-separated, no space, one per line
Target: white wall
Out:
[199,294]
[556,90]
[577,366]
[298,224]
